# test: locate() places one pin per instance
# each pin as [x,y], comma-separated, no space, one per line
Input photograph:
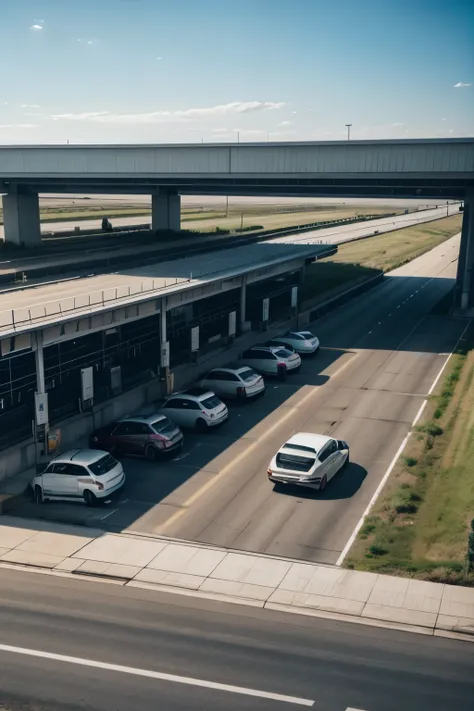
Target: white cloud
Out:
[84,41]
[36,28]
[159,57]
[460,85]
[29,106]
[18,125]
[285,123]
[397,124]
[235,107]
[443,119]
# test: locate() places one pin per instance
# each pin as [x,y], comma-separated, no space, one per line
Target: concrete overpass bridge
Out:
[421,168]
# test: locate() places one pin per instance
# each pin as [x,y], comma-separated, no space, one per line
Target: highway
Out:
[161,274]
[122,648]
[381,354]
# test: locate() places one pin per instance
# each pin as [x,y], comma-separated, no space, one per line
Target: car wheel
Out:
[38,495]
[89,498]
[323,483]
[201,425]
[151,453]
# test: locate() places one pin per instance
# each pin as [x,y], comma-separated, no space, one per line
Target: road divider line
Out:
[382,483]
[159,676]
[256,443]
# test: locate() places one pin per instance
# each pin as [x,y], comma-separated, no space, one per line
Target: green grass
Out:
[419,527]
[357,261]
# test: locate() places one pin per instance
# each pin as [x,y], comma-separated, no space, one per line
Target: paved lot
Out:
[366,385]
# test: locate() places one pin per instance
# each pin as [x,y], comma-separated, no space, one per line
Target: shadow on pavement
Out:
[343,486]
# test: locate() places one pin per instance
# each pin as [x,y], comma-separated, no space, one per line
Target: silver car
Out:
[303,342]
[234,381]
[86,475]
[271,360]
[195,408]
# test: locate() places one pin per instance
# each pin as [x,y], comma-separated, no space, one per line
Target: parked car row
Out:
[94,474]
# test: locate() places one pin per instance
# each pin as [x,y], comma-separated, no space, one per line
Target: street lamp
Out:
[348,126]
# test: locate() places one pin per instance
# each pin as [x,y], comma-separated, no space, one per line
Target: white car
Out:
[86,475]
[309,460]
[234,381]
[195,408]
[303,342]
[271,360]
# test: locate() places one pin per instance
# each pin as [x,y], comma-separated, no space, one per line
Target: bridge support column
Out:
[465,275]
[166,211]
[21,219]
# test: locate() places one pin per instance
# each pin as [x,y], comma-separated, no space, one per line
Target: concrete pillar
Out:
[467,251]
[166,211]
[39,360]
[21,219]
[243,305]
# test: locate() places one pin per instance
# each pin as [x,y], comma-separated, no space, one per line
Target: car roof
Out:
[309,439]
[142,418]
[80,456]
[266,347]
[233,368]
[193,394]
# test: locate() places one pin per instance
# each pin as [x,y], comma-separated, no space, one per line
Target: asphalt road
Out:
[382,354]
[99,627]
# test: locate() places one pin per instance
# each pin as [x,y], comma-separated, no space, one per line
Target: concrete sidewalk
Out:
[263,581]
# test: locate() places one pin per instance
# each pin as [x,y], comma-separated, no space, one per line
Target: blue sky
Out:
[112,71]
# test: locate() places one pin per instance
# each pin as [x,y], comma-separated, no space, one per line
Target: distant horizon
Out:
[121,72]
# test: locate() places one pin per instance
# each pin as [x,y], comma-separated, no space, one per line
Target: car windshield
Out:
[295,462]
[283,353]
[210,402]
[103,465]
[307,335]
[163,426]
[248,375]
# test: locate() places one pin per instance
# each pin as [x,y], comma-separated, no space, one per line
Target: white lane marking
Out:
[182,456]
[156,675]
[108,514]
[349,708]
[374,498]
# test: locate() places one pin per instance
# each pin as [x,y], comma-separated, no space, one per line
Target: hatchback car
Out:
[309,460]
[196,408]
[235,381]
[271,360]
[89,475]
[303,342]
[152,436]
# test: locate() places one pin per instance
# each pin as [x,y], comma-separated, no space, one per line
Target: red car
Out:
[151,437]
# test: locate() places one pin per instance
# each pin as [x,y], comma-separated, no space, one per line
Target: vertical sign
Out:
[165,354]
[232,323]
[294,297]
[41,407]
[195,339]
[265,309]
[87,383]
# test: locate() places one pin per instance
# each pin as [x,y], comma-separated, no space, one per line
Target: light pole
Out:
[348,126]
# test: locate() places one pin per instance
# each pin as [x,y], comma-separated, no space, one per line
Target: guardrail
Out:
[13,319]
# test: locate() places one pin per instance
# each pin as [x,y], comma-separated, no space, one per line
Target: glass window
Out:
[61,468]
[324,453]
[307,335]
[215,375]
[163,426]
[248,375]
[296,336]
[210,402]
[103,465]
[77,470]
[295,462]
[176,403]
[283,353]
[122,429]
[230,377]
